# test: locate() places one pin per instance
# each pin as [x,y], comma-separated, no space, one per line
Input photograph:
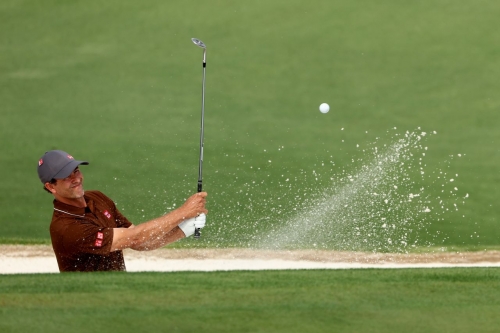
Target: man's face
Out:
[70,187]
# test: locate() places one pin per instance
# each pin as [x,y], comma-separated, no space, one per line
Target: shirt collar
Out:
[73,210]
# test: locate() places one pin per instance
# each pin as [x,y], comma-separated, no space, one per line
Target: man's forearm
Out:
[158,242]
[149,235]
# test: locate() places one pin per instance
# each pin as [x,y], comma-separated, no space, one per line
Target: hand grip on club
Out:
[199,223]
[197,232]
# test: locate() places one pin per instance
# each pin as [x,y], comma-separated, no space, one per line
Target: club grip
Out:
[197,232]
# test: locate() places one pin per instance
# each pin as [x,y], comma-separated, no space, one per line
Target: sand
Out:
[15,259]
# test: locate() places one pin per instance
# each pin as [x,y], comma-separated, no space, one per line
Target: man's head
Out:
[56,164]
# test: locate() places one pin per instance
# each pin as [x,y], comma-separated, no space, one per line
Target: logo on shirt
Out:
[99,238]
[107,214]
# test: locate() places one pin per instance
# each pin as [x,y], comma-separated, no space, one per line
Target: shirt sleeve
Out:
[86,237]
[120,220]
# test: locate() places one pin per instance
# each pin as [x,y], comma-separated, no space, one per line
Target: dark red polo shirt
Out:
[82,237]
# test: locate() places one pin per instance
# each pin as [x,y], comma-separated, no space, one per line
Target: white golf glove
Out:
[199,221]
[188,226]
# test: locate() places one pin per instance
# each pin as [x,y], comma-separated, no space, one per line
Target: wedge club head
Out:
[199,43]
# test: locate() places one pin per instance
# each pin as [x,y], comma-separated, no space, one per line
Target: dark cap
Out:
[56,164]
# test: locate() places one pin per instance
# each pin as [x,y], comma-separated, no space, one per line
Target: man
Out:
[89,233]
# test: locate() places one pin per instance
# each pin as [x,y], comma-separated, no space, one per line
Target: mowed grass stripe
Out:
[366,300]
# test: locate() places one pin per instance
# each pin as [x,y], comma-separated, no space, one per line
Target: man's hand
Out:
[188,226]
[194,205]
[199,221]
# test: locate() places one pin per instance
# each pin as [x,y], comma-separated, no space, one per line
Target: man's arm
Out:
[160,231]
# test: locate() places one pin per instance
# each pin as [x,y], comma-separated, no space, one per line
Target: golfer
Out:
[89,233]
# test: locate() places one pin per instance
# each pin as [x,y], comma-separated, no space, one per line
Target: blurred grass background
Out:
[119,84]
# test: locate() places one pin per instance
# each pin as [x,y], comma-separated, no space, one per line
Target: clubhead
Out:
[198,43]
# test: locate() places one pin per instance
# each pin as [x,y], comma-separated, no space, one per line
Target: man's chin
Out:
[78,194]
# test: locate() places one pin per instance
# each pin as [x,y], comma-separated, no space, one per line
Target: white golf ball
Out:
[324,108]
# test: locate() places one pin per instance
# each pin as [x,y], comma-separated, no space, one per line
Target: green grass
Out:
[367,300]
[118,84]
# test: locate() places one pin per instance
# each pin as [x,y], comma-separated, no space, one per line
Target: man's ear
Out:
[50,187]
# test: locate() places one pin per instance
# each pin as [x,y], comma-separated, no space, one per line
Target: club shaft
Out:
[197,232]
[202,126]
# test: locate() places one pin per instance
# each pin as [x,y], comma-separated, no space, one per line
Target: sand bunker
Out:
[40,259]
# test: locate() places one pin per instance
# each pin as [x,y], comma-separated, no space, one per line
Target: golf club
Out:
[199,43]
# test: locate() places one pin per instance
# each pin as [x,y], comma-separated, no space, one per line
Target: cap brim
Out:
[68,169]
